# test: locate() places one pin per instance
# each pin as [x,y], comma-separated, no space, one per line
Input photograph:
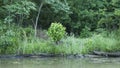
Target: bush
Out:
[11,37]
[56,31]
[8,38]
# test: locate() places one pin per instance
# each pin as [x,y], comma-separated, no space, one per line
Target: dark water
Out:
[60,63]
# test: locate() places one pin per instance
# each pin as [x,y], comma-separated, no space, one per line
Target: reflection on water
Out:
[60,63]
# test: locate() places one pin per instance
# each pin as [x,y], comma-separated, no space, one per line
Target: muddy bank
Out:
[107,54]
[96,54]
[50,55]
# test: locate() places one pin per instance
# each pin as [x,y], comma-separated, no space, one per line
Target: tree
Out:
[36,22]
[56,5]
[18,11]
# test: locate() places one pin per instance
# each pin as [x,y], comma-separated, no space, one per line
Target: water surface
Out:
[60,63]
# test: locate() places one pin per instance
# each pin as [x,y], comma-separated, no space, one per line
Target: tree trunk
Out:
[37,18]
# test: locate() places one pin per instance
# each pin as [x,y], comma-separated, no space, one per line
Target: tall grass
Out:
[101,43]
[68,45]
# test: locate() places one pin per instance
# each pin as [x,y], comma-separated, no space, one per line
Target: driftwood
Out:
[107,54]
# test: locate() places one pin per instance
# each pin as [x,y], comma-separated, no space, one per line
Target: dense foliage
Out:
[92,21]
[56,31]
[75,15]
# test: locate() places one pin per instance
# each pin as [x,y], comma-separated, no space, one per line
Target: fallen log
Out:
[107,54]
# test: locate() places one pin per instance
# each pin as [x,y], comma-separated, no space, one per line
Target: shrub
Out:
[56,31]
[11,37]
[8,38]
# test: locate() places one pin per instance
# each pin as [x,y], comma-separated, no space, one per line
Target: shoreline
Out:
[51,55]
[96,54]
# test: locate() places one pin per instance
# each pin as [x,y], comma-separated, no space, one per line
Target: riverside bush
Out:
[8,38]
[56,31]
[11,37]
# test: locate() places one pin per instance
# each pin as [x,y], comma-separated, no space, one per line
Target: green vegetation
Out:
[56,31]
[28,27]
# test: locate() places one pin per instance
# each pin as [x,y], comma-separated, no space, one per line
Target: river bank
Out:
[49,55]
[96,54]
[43,55]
